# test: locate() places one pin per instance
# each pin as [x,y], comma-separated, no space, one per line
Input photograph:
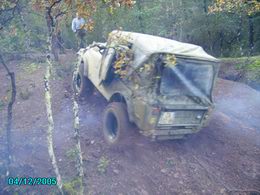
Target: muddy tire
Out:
[82,86]
[116,124]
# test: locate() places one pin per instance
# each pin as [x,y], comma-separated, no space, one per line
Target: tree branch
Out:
[13,9]
[60,14]
[4,64]
[49,10]
[54,3]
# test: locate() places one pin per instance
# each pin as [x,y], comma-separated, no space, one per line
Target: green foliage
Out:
[64,70]
[254,70]
[30,68]
[70,188]
[249,65]
[26,32]
[187,21]
[72,153]
[221,34]
[12,42]
[25,94]
[237,6]
[170,162]
[37,30]
[7,98]
[255,65]
[102,165]
[2,105]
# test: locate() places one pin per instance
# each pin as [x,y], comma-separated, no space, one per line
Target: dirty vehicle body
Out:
[161,85]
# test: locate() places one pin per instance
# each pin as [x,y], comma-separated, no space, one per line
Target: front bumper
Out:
[163,134]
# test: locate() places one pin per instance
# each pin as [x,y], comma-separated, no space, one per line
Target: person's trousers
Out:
[81,42]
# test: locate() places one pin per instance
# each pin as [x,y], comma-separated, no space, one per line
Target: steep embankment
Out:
[245,70]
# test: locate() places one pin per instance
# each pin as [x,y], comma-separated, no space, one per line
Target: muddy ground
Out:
[224,158]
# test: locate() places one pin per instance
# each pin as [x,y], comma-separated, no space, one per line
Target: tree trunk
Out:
[250,34]
[55,49]
[51,25]
[140,18]
[205,6]
[205,10]
[181,22]
[239,37]
[9,116]
[51,124]
[51,31]
[79,161]
[221,36]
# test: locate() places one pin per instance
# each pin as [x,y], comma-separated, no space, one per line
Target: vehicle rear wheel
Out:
[82,86]
[115,123]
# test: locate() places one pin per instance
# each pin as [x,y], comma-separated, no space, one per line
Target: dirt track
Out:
[224,158]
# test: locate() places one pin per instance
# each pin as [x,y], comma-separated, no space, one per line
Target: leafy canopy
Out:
[248,7]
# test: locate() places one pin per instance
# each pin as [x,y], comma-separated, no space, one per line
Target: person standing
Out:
[78,28]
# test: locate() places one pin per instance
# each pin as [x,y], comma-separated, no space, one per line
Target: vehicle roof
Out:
[145,45]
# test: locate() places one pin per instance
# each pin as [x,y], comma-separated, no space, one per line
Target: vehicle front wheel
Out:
[116,123]
[82,86]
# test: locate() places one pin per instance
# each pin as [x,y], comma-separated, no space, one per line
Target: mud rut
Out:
[224,158]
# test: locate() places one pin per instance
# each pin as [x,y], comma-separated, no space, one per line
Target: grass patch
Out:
[254,65]
[72,153]
[2,105]
[102,165]
[249,65]
[72,187]
[5,99]
[30,68]
[25,94]
[63,70]
[240,59]
[169,162]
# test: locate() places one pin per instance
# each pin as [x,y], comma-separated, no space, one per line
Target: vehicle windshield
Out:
[187,79]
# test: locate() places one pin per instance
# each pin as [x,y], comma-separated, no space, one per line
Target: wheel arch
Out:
[84,64]
[120,97]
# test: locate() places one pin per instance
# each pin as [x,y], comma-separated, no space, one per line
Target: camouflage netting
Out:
[145,45]
[147,62]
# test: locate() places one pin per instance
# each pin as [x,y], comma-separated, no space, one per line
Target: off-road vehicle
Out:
[162,86]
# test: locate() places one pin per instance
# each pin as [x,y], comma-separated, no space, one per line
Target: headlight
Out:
[166,118]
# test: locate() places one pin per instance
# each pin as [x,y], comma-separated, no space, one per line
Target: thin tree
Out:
[79,160]
[9,115]
[7,13]
[51,25]
[241,8]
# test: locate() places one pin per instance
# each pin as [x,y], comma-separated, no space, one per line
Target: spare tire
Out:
[116,123]
[82,86]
